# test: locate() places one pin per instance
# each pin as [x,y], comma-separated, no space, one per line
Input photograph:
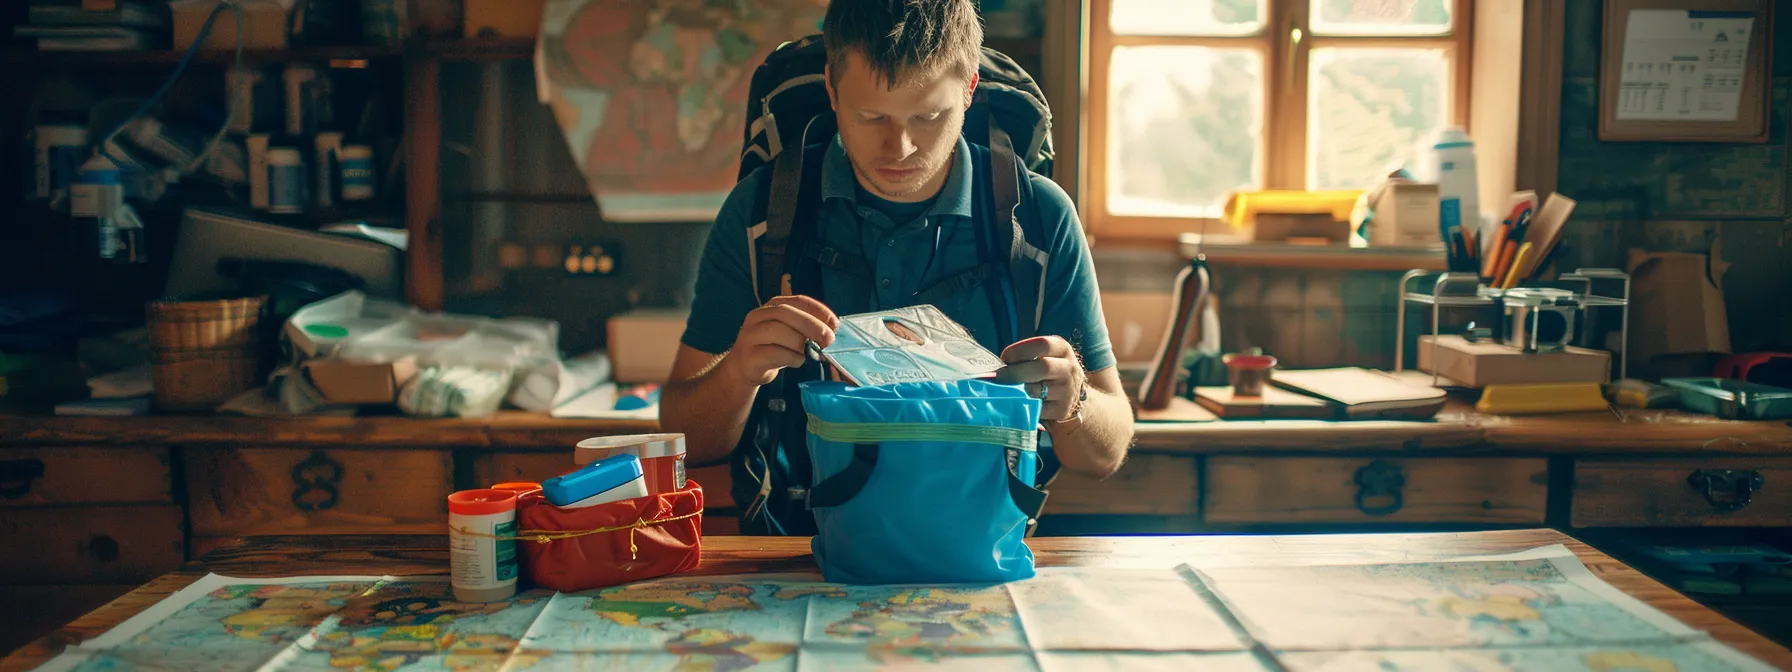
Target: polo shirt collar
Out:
[838,180]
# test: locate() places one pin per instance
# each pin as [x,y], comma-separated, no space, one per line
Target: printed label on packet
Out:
[506,550]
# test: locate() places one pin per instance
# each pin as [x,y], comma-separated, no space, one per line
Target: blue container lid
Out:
[594,478]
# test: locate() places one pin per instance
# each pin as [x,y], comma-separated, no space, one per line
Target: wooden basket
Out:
[205,325]
[200,381]
[204,353]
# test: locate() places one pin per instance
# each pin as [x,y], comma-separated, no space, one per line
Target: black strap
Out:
[843,486]
[837,259]
[1029,499]
[951,285]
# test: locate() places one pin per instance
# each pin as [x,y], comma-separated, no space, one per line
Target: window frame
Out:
[1286,67]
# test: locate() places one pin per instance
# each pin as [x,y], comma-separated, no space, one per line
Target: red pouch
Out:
[609,544]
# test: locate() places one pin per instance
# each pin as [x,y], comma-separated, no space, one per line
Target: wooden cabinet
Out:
[90,544]
[1159,485]
[88,515]
[1674,492]
[1379,489]
[242,491]
[66,475]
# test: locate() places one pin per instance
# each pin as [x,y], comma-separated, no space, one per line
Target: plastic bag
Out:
[925,482]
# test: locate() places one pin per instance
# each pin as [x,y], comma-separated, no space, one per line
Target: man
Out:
[897,186]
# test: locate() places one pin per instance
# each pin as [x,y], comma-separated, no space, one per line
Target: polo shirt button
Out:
[886,282]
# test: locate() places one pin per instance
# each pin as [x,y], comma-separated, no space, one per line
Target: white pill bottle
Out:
[482,550]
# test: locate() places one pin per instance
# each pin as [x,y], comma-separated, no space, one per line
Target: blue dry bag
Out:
[924,482]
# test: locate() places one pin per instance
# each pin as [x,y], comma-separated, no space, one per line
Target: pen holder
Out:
[1536,319]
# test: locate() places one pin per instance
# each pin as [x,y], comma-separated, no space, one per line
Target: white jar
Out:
[482,553]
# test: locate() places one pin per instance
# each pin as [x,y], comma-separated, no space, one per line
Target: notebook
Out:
[1274,404]
[1365,394]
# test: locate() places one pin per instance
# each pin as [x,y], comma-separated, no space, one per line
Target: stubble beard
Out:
[930,169]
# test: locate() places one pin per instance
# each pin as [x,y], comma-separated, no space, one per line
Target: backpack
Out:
[790,124]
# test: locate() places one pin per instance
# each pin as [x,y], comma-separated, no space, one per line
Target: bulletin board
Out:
[1685,70]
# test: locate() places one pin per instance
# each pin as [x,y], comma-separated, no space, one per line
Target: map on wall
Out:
[1532,611]
[651,95]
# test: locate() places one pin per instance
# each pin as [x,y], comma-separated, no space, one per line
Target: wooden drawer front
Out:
[97,544]
[1742,491]
[39,476]
[245,491]
[1365,490]
[490,468]
[1164,485]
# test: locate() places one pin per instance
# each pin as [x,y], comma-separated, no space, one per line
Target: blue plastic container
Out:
[596,477]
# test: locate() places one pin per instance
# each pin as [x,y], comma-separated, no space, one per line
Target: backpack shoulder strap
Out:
[790,197]
[1026,262]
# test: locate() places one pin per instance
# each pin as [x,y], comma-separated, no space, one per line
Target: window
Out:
[1191,100]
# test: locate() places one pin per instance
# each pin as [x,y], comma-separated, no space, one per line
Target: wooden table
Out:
[427,555]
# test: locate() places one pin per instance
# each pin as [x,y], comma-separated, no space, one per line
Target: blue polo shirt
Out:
[908,247]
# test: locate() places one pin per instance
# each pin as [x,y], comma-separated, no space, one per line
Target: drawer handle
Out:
[316,474]
[1727,489]
[16,477]
[1379,479]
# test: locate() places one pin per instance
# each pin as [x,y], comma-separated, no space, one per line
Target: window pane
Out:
[1381,17]
[1368,108]
[1185,128]
[1186,17]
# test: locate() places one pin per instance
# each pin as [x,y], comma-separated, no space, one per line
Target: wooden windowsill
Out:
[1232,251]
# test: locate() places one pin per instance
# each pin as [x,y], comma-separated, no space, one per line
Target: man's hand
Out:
[773,335]
[1046,362]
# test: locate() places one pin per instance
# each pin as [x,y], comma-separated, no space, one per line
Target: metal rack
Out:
[1449,290]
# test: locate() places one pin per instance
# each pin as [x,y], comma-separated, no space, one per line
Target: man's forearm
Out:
[1097,445]
[710,409]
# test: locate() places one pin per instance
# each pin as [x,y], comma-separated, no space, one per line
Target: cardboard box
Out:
[264,24]
[1676,311]
[1406,215]
[1483,363]
[643,342]
[503,18]
[348,382]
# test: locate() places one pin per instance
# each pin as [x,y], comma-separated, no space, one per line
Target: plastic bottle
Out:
[95,198]
[482,554]
[1458,190]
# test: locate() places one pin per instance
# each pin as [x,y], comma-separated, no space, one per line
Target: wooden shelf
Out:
[17,58]
[1324,257]
[493,49]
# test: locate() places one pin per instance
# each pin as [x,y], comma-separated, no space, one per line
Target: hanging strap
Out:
[866,438]
[841,487]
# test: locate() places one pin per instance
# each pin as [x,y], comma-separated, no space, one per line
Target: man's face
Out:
[901,141]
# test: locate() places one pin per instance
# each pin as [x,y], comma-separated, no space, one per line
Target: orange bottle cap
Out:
[482,502]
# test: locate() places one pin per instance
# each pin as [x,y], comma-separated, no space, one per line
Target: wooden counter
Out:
[1458,428]
[405,555]
[118,500]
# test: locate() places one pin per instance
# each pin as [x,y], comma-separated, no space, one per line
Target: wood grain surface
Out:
[1325,489]
[427,555]
[86,475]
[247,491]
[1656,492]
[90,544]
[1458,430]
